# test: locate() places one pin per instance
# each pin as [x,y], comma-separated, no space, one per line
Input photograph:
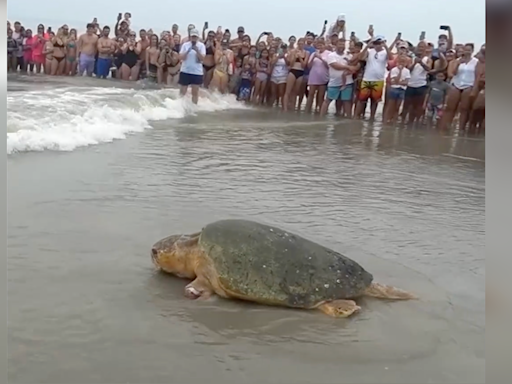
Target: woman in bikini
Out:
[152,54]
[131,51]
[172,64]
[48,54]
[223,67]
[463,74]
[58,63]
[209,59]
[297,61]
[71,63]
[262,75]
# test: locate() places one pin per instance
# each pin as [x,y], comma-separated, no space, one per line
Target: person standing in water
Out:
[87,48]
[192,54]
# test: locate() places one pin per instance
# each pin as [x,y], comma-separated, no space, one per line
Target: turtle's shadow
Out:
[240,319]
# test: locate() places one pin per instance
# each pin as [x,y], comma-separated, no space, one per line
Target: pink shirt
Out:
[27,52]
[37,46]
[319,72]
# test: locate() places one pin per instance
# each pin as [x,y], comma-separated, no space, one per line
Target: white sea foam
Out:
[64,119]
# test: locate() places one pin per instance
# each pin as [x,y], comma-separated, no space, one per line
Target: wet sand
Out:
[86,306]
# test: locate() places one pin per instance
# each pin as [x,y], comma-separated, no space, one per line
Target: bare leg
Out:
[195,93]
[340,308]
[313,89]
[320,96]
[290,85]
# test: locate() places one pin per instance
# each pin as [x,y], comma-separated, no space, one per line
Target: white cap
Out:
[341,17]
[194,32]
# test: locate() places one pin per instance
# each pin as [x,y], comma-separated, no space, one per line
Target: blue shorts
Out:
[103,67]
[396,93]
[416,91]
[337,93]
[187,79]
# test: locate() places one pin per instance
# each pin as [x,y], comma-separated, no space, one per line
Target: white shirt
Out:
[465,76]
[418,75]
[335,74]
[191,64]
[376,64]
[280,69]
[334,28]
[17,36]
[405,75]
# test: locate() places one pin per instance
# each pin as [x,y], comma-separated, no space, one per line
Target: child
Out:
[244,93]
[127,17]
[436,97]
[399,78]
[234,79]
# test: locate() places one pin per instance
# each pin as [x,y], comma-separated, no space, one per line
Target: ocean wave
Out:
[64,119]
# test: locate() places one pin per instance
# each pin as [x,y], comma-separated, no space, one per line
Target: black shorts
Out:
[187,79]
[416,92]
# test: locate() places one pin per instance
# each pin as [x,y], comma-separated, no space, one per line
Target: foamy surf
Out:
[63,119]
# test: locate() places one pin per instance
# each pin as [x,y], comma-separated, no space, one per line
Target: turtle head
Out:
[174,254]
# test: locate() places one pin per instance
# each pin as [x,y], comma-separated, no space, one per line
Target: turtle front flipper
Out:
[200,288]
[339,308]
[382,291]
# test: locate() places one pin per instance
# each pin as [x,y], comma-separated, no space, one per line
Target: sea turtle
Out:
[241,259]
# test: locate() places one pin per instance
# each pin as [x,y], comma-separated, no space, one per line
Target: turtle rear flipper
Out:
[382,291]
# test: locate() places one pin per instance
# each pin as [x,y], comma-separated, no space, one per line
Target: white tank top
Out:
[418,75]
[280,69]
[465,76]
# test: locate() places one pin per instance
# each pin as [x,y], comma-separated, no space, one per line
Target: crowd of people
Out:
[419,82]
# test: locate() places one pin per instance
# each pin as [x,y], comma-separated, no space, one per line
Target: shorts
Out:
[103,67]
[371,90]
[396,93]
[435,111]
[339,93]
[279,79]
[416,92]
[244,92]
[187,79]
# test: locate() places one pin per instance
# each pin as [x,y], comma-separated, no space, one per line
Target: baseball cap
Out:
[403,45]
[341,17]
[194,32]
[379,38]
[240,29]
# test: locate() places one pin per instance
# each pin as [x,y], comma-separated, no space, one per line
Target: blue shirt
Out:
[311,50]
[191,64]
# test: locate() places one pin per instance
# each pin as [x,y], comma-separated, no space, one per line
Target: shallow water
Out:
[85,304]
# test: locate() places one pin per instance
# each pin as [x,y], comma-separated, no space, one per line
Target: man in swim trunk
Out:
[106,48]
[376,54]
[338,62]
[87,47]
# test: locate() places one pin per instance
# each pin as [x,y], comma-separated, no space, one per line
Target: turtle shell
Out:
[269,265]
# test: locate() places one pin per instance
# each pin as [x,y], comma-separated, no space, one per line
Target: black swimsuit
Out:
[297,72]
[130,58]
[59,59]
[209,51]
